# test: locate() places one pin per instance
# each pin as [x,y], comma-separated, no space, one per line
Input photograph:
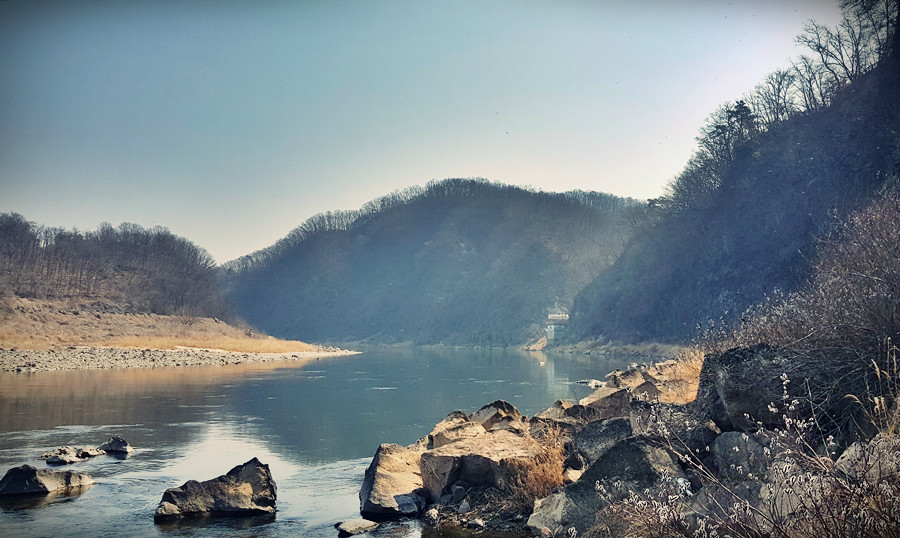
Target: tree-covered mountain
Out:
[460,261]
[135,268]
[772,173]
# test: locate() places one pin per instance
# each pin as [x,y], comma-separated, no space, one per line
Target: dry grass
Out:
[537,477]
[681,377]
[43,325]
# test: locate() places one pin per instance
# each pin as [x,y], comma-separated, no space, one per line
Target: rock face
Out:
[246,490]
[116,445]
[482,460]
[392,486]
[27,480]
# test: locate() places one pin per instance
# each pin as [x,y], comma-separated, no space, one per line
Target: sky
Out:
[231,122]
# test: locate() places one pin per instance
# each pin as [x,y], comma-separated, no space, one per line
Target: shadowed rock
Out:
[28,480]
[246,490]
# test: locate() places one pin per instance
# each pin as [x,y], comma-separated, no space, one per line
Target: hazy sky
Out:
[231,122]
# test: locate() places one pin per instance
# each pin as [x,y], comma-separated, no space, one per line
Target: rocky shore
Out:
[99,358]
[738,457]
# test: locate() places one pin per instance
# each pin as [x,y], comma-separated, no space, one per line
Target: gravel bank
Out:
[100,358]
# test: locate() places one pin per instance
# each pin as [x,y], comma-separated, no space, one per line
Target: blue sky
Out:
[230,122]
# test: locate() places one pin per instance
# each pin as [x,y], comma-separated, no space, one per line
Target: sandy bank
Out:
[101,358]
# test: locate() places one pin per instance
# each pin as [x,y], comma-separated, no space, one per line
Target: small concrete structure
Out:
[557,324]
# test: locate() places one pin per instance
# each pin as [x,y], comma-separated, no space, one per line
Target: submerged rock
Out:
[246,490]
[355,526]
[392,484]
[116,445]
[28,480]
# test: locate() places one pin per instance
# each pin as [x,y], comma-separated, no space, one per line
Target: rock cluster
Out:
[636,433]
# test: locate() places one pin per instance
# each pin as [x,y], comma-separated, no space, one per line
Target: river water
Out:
[316,425]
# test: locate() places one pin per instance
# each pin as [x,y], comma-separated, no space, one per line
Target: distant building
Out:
[557,325]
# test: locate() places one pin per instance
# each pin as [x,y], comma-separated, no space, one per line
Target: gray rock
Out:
[392,484]
[464,507]
[27,480]
[738,455]
[116,445]
[634,462]
[458,492]
[246,490]
[875,460]
[598,437]
[352,527]
[736,387]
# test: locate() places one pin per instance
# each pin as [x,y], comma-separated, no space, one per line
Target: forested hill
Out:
[770,177]
[459,261]
[127,268]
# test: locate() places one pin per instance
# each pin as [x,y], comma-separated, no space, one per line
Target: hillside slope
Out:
[758,230]
[456,262]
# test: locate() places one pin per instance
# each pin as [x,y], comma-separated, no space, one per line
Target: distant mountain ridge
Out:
[457,262]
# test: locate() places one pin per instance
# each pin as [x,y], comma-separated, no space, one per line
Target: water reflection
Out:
[316,426]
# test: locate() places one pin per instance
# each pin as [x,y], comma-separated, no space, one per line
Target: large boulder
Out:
[737,387]
[633,463]
[28,480]
[598,437]
[392,486]
[246,490]
[484,460]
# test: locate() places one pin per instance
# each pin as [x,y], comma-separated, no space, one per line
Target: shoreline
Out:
[81,358]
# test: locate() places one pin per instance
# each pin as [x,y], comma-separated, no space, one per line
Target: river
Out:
[317,426]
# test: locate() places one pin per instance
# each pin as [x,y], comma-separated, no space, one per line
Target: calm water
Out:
[317,426]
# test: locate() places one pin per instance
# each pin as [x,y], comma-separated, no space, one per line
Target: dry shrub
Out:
[537,477]
[839,327]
